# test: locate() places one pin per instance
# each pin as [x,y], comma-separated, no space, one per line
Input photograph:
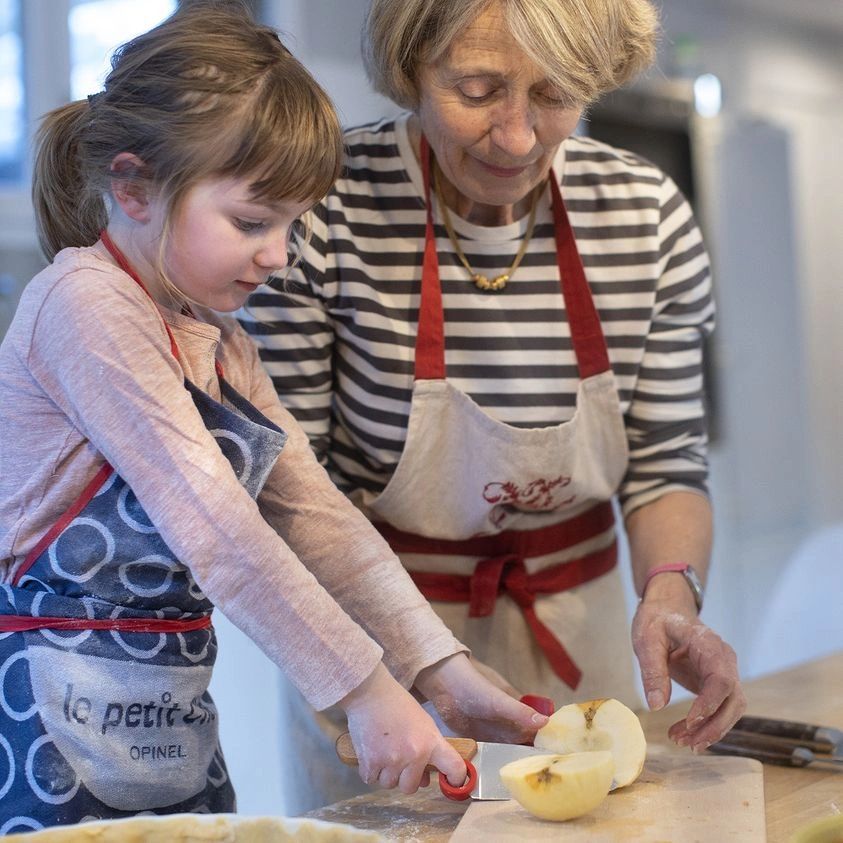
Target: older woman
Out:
[496,329]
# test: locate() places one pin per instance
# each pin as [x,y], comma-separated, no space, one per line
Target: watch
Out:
[687,571]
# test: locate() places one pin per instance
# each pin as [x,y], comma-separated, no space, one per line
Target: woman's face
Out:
[493,120]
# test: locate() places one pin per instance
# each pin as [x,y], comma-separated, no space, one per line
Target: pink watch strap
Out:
[673,568]
[677,568]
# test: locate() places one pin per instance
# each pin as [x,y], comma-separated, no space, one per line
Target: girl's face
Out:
[492,118]
[223,244]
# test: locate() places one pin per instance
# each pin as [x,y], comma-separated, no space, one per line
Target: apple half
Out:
[559,787]
[601,725]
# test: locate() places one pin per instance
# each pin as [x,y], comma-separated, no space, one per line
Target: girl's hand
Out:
[472,706]
[395,738]
[672,643]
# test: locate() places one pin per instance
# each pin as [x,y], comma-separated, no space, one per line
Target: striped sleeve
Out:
[293,329]
[665,422]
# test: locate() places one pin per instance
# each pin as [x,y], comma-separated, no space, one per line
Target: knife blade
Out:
[819,739]
[488,761]
[487,758]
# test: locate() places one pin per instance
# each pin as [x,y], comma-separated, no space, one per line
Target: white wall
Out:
[792,75]
[776,474]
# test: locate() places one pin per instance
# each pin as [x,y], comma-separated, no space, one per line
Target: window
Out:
[98,26]
[12,126]
[42,42]
[52,51]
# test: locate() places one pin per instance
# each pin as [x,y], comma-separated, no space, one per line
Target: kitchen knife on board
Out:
[819,739]
[782,742]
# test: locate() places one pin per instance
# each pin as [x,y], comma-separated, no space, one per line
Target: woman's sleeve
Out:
[101,353]
[665,422]
[290,323]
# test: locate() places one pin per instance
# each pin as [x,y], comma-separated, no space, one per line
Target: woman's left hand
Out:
[472,706]
[673,643]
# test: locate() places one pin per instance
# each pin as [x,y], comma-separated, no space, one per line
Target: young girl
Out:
[148,472]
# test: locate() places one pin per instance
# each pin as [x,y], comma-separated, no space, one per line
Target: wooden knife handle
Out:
[768,753]
[815,738]
[466,747]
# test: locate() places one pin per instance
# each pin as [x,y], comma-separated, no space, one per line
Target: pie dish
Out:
[200,828]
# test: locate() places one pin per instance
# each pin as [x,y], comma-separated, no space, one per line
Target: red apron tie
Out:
[517,585]
[25,623]
[485,585]
[501,572]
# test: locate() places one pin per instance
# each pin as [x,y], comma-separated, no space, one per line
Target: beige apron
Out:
[465,478]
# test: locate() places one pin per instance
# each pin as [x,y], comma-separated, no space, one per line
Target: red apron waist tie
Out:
[502,571]
[25,623]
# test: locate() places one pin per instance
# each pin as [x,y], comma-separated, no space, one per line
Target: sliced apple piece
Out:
[605,725]
[559,787]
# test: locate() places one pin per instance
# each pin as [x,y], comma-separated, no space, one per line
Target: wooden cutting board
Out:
[677,799]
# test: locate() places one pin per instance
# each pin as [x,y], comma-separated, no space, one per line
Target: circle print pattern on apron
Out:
[106,652]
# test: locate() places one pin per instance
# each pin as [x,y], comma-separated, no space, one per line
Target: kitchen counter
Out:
[812,693]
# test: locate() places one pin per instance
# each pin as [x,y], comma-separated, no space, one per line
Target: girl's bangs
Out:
[289,144]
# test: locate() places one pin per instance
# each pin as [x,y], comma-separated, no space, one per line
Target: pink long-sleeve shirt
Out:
[87,374]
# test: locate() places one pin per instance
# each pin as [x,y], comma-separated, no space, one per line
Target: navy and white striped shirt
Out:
[337,336]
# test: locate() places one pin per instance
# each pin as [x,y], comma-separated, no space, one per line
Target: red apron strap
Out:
[563,665]
[526,543]
[517,585]
[583,319]
[484,584]
[587,336]
[24,623]
[430,336]
[460,588]
[124,264]
[501,571]
[69,514]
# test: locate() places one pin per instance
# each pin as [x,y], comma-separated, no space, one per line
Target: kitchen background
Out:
[745,110]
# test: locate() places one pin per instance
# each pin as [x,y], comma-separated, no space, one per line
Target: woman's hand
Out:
[473,706]
[395,738]
[671,642]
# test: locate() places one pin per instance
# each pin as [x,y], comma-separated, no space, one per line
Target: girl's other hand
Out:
[495,678]
[395,738]
[473,706]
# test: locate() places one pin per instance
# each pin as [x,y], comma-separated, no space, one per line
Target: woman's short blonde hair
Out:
[586,47]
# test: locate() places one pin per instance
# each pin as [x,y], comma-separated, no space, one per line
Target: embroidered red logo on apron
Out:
[539,494]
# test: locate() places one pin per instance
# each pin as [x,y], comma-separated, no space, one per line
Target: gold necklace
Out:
[481,281]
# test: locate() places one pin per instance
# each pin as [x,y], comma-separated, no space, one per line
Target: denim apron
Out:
[106,652]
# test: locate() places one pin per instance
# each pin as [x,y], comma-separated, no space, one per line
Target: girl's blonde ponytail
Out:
[69,211]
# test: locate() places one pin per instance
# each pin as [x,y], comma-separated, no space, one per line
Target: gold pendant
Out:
[483,283]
